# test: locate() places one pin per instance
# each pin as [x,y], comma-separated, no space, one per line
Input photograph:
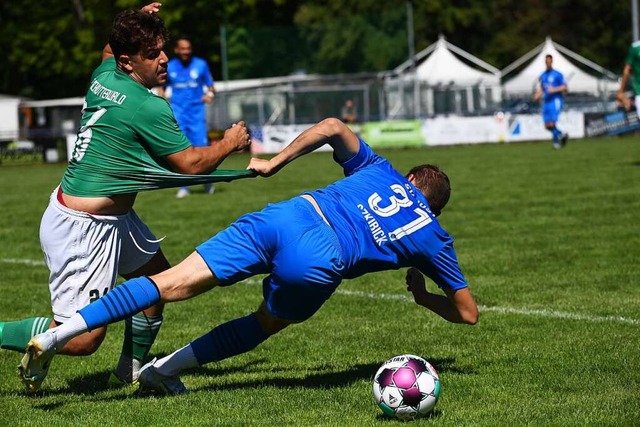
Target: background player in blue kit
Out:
[191,87]
[551,88]
[374,219]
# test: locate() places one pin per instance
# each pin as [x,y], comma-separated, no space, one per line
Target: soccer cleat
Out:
[182,193]
[115,382]
[152,381]
[556,146]
[35,363]
[209,188]
[564,139]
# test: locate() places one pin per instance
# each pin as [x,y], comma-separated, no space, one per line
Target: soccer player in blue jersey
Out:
[551,89]
[374,219]
[192,87]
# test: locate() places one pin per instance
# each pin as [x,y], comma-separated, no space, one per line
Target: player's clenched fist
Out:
[238,135]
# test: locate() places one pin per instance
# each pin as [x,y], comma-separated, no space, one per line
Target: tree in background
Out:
[50,48]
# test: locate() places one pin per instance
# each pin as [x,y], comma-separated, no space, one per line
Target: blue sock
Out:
[124,301]
[229,339]
[556,134]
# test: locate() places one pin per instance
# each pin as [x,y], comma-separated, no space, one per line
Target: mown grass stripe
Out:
[551,314]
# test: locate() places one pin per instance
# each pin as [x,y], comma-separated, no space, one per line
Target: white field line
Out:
[399,297]
[22,261]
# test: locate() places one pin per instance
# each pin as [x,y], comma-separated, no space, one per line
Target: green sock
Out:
[15,335]
[140,332]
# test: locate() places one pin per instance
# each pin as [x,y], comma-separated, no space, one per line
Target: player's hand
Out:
[261,166]
[238,135]
[152,7]
[416,284]
[207,99]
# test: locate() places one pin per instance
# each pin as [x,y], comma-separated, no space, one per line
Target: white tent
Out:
[9,125]
[442,67]
[578,81]
[447,84]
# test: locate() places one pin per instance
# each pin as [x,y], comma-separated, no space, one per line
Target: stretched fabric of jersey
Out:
[125,134]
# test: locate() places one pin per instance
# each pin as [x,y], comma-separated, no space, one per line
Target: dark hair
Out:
[134,31]
[434,184]
[183,37]
[548,56]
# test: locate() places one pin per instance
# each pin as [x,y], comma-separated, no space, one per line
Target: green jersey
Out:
[125,133]
[633,59]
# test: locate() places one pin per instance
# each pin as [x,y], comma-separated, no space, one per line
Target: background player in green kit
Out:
[631,68]
[128,141]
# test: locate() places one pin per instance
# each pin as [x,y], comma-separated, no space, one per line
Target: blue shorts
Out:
[551,110]
[290,242]
[192,123]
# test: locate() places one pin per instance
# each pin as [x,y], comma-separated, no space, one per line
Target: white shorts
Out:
[86,252]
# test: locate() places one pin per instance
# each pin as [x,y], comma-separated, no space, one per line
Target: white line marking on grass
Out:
[22,261]
[508,310]
[560,315]
[552,314]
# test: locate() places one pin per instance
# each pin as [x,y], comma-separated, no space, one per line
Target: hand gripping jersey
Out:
[124,134]
[383,222]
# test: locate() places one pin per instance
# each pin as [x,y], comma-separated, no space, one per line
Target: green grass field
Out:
[549,242]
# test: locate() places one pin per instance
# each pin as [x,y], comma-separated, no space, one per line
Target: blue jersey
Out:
[551,79]
[384,222]
[188,84]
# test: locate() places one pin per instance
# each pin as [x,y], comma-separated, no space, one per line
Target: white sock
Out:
[172,364]
[69,329]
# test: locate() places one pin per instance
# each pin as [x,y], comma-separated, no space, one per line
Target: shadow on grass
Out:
[323,380]
[387,419]
[95,386]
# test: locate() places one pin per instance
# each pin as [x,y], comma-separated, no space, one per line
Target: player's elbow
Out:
[332,127]
[470,317]
[187,162]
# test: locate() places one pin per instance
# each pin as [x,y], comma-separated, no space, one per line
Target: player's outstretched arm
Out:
[202,160]
[331,131]
[457,307]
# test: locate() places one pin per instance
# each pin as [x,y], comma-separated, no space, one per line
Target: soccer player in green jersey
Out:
[128,141]
[631,68]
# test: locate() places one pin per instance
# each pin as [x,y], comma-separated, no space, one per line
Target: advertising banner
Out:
[613,124]
[464,130]
[530,127]
[397,133]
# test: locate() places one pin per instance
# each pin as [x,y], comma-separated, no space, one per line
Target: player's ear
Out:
[411,178]
[124,62]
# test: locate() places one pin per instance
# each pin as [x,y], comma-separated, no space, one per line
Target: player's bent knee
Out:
[271,324]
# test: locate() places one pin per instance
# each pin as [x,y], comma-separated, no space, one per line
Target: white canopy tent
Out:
[444,74]
[578,81]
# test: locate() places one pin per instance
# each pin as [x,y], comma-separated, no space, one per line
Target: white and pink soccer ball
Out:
[406,387]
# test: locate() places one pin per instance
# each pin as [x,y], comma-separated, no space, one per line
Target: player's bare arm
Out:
[457,307]
[201,160]
[622,96]
[207,98]
[331,131]
[558,89]
[538,93]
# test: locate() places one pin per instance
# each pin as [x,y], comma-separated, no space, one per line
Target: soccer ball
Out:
[406,387]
